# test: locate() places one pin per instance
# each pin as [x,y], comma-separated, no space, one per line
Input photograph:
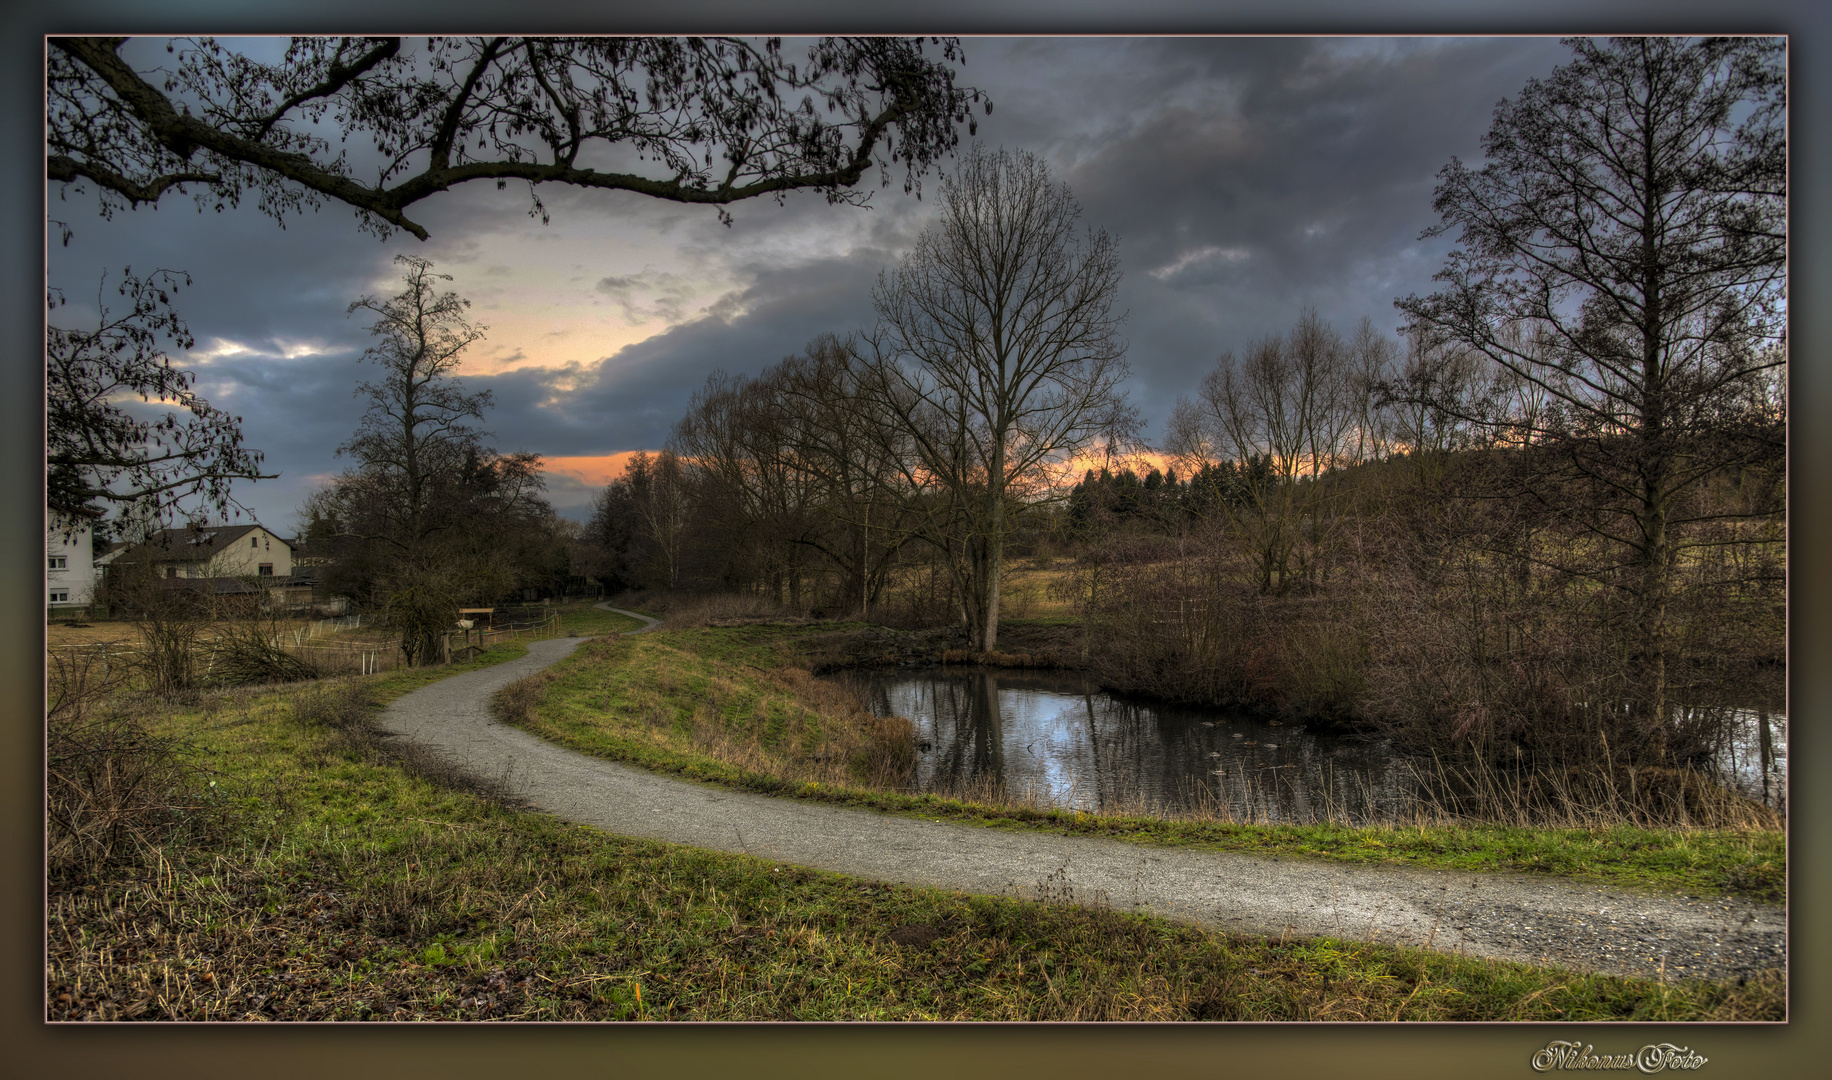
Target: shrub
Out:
[245,651]
[116,789]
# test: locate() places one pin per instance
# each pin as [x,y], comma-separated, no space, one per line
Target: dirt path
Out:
[1490,915]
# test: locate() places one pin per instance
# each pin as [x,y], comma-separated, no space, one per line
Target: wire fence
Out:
[342,657]
[303,634]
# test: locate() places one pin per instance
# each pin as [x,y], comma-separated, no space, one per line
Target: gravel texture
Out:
[1499,916]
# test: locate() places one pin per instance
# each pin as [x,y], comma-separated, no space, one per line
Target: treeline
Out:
[1159,498]
[791,485]
[1346,527]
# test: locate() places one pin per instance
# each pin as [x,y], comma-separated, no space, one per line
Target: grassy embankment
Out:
[737,706]
[358,881]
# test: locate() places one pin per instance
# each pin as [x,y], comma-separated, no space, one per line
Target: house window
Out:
[171,571]
[254,541]
[62,597]
[56,562]
[267,569]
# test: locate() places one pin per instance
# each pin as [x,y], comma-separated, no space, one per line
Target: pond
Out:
[1055,738]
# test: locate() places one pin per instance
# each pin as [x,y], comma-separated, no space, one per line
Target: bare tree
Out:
[1623,254]
[853,453]
[998,358]
[1372,358]
[440,516]
[96,450]
[736,447]
[716,444]
[1283,415]
[793,474]
[719,119]
[659,500]
[414,434]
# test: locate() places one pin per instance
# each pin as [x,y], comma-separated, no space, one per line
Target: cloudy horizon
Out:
[1246,180]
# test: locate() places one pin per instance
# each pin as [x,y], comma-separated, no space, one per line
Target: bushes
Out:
[115,788]
[725,609]
[1515,689]
[245,652]
[344,706]
[516,703]
[1189,631]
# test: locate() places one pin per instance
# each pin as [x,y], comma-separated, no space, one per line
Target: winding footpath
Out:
[1498,916]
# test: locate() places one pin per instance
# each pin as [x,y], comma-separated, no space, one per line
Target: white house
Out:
[69,559]
[212,551]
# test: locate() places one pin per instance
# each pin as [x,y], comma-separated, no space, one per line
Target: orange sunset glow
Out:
[596,470]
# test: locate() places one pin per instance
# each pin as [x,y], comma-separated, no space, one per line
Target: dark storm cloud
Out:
[631,400]
[259,295]
[1248,179]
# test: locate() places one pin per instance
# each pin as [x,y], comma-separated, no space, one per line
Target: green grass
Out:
[586,619]
[713,704]
[356,886]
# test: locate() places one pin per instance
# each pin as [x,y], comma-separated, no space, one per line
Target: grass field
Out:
[353,880]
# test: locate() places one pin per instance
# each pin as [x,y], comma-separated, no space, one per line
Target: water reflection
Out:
[1057,739]
[1753,759]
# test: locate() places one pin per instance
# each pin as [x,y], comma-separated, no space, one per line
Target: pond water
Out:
[1741,760]
[1056,738]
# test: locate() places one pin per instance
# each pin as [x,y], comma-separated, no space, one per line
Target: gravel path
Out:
[1490,915]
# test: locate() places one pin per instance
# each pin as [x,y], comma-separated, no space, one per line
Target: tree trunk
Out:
[1651,646]
[994,559]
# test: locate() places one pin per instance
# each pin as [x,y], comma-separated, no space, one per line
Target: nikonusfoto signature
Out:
[1652,1058]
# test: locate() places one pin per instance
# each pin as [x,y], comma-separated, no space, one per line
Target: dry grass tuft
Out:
[1648,795]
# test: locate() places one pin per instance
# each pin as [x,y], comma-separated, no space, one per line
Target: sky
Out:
[1245,180]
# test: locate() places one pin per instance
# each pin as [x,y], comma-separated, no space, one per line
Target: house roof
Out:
[197,543]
